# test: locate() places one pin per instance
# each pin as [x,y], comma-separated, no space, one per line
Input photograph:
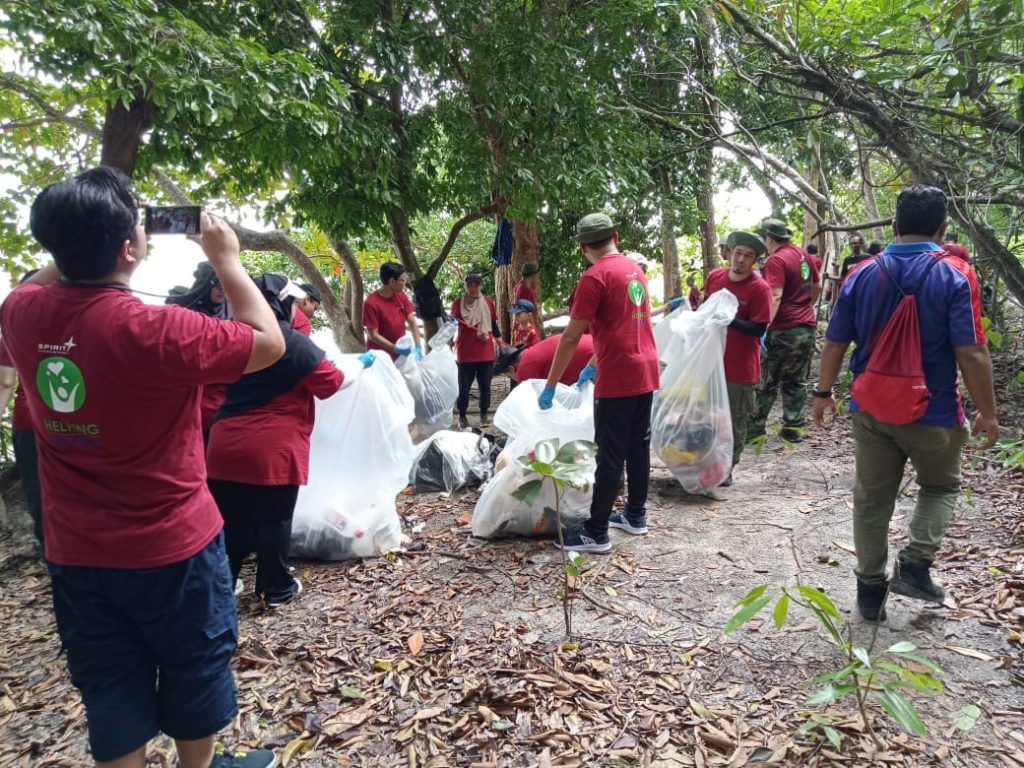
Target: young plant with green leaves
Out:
[564,465]
[868,677]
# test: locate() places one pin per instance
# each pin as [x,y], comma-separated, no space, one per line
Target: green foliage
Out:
[865,675]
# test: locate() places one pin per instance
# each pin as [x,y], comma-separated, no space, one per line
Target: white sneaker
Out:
[285,600]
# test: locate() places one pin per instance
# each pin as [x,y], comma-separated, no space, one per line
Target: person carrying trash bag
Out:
[258,454]
[612,299]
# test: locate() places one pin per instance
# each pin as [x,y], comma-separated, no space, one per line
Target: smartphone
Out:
[172,219]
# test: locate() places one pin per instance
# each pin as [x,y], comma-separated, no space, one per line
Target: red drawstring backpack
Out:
[892,387]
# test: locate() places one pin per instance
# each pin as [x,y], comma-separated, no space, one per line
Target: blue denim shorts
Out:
[150,650]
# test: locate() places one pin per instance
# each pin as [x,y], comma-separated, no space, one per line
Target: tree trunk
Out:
[671,280]
[709,130]
[123,129]
[398,221]
[354,290]
[870,204]
[526,248]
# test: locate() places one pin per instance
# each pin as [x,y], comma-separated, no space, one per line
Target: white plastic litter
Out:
[691,430]
[433,381]
[571,417]
[360,452]
[670,344]
[449,460]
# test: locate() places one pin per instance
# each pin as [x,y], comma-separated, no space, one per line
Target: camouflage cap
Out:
[530,268]
[775,228]
[747,239]
[594,227]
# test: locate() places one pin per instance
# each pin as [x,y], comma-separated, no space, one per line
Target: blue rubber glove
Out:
[546,398]
[589,373]
[764,342]
[673,304]
[402,351]
[419,353]
[367,359]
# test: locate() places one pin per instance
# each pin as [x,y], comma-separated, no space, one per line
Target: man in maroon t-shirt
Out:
[795,283]
[141,585]
[535,362]
[612,299]
[388,314]
[743,341]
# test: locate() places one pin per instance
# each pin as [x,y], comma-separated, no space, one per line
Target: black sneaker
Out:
[871,600]
[792,434]
[463,422]
[727,482]
[242,758]
[485,422]
[634,525]
[581,541]
[277,602]
[913,579]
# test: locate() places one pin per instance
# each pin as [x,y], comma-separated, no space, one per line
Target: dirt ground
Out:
[455,655]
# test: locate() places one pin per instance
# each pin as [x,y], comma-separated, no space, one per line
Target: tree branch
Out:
[453,235]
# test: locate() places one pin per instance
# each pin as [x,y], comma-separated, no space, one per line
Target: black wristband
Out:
[822,393]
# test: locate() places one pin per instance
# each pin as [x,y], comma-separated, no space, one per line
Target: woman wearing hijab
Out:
[475,346]
[258,454]
[206,297]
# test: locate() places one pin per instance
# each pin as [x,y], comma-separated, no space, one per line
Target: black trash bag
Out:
[449,460]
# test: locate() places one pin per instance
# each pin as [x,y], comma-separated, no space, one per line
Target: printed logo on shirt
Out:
[57,349]
[805,270]
[636,292]
[61,384]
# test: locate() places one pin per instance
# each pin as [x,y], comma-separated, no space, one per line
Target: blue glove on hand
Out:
[419,353]
[546,398]
[673,304]
[764,342]
[589,373]
[367,359]
[402,351]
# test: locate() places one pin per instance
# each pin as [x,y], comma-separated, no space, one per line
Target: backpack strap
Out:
[937,256]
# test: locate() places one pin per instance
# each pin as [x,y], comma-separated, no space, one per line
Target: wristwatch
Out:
[822,393]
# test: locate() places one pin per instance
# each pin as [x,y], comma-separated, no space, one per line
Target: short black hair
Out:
[875,248]
[952,237]
[312,292]
[921,210]
[390,270]
[599,244]
[84,221]
[812,249]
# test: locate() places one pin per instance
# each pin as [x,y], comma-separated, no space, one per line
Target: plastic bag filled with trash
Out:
[449,460]
[433,381]
[360,453]
[691,429]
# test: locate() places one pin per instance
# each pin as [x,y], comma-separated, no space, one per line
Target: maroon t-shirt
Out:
[301,323]
[269,445]
[742,351]
[523,291]
[612,297]
[468,348]
[792,269]
[535,362]
[113,387]
[388,317]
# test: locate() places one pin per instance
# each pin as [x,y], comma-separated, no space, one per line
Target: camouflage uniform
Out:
[787,362]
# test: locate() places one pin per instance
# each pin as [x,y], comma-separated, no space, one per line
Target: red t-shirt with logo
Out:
[742,351]
[113,387]
[792,269]
[468,348]
[269,445]
[21,419]
[535,362]
[523,291]
[612,296]
[387,317]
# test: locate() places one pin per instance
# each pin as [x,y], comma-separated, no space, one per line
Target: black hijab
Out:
[300,357]
[198,296]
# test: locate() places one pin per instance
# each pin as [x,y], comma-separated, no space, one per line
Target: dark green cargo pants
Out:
[786,365]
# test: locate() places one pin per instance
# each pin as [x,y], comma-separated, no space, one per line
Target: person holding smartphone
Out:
[140,579]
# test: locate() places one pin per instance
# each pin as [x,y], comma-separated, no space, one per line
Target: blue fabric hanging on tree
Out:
[504,243]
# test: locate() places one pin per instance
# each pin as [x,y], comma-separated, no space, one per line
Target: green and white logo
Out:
[636,292]
[805,270]
[60,384]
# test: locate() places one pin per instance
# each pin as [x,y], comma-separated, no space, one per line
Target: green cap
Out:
[530,268]
[594,227]
[747,239]
[775,228]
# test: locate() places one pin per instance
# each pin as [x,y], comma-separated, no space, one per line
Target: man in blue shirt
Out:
[951,338]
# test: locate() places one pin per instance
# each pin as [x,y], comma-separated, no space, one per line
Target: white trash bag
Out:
[449,460]
[433,381]
[691,430]
[669,344]
[571,417]
[360,452]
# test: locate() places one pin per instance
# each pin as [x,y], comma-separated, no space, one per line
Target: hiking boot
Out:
[727,482]
[463,422]
[792,434]
[581,541]
[913,579]
[871,600]
[242,758]
[637,526]
[277,602]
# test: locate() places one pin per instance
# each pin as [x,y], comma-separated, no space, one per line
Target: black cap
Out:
[312,292]
[474,277]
